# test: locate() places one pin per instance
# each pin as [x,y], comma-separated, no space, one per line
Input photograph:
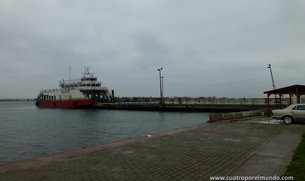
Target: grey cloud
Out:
[203,46]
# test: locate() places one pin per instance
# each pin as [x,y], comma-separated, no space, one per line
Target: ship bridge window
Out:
[89,79]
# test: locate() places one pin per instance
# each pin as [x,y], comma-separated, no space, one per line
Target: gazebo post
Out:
[280,101]
[268,95]
[298,95]
[298,98]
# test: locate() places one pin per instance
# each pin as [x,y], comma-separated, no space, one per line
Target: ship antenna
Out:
[70,74]
[63,81]
[87,71]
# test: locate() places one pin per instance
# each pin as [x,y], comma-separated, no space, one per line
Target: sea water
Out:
[27,131]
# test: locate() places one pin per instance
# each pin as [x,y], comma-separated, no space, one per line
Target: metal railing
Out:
[208,101]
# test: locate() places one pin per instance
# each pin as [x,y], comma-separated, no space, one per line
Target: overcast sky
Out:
[206,48]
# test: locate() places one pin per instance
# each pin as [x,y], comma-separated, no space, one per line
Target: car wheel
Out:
[287,119]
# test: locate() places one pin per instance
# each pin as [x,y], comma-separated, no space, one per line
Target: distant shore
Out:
[17,99]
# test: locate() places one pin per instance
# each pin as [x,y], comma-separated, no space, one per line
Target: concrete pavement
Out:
[246,146]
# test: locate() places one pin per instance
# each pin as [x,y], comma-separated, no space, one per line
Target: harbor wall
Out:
[201,104]
[185,107]
[207,100]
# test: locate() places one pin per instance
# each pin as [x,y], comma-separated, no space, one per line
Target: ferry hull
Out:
[66,104]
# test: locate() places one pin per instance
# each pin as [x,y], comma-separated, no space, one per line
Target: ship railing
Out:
[92,87]
[228,101]
[136,102]
[68,81]
[91,83]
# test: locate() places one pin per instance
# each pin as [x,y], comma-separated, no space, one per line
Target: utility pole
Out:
[161,84]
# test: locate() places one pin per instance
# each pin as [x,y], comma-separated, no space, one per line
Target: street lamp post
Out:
[161,84]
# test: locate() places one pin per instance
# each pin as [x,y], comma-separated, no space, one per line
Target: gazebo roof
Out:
[294,89]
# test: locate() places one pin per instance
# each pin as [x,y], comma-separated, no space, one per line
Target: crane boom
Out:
[273,85]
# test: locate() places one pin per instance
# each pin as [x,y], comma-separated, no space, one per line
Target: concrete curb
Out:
[233,115]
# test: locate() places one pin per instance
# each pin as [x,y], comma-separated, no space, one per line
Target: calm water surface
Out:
[27,131]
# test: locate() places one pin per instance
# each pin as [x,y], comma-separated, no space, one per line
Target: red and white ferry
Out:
[75,93]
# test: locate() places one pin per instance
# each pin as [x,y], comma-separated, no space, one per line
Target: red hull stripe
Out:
[66,104]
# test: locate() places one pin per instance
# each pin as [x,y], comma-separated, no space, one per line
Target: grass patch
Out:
[297,165]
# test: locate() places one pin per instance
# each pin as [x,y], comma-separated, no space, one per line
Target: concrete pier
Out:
[184,107]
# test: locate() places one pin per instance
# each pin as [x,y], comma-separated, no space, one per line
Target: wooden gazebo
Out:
[296,90]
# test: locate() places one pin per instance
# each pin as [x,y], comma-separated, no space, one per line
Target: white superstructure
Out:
[86,87]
